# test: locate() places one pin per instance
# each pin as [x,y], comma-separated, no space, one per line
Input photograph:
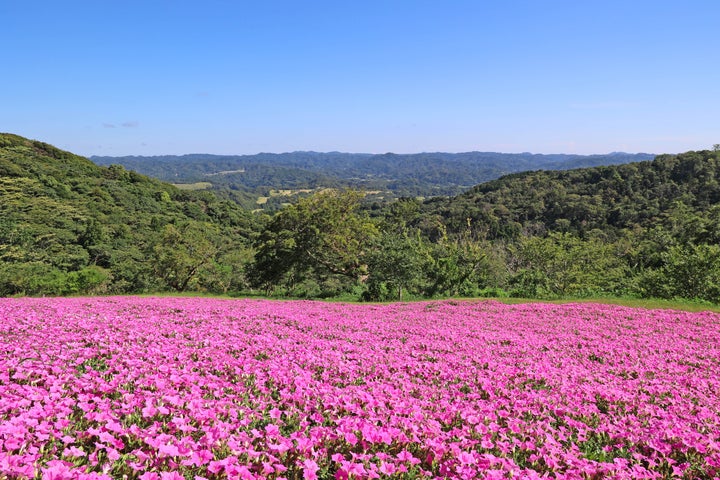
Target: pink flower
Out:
[149,411]
[58,471]
[310,468]
[405,456]
[199,458]
[351,438]
[168,450]
[355,468]
[171,476]
[387,468]
[536,378]
[73,452]
[466,458]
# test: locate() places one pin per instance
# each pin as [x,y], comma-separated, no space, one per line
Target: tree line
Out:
[329,245]
[646,229]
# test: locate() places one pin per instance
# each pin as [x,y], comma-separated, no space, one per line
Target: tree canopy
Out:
[648,229]
[68,226]
[324,234]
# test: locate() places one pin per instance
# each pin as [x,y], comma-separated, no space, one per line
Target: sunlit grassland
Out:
[193,186]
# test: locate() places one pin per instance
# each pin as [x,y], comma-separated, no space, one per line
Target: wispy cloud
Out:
[109,125]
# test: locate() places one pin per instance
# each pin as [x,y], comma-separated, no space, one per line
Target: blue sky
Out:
[152,77]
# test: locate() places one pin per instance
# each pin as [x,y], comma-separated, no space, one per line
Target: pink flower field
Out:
[173,388]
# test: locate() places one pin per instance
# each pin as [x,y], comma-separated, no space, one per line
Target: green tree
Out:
[687,271]
[395,266]
[29,278]
[562,264]
[228,272]
[91,280]
[322,235]
[454,265]
[182,251]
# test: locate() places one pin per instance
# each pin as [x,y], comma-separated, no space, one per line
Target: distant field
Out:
[282,193]
[193,186]
[171,388]
[226,172]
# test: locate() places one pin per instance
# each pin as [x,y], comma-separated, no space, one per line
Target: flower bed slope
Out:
[198,388]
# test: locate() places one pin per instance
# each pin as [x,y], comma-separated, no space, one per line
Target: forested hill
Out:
[69,226]
[647,229]
[669,191]
[423,174]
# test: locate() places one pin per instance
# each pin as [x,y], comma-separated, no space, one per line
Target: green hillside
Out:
[670,191]
[647,229]
[68,226]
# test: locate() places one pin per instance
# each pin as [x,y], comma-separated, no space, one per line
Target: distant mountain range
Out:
[390,174]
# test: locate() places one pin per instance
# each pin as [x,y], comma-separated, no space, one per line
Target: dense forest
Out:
[644,229]
[68,226]
[247,178]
